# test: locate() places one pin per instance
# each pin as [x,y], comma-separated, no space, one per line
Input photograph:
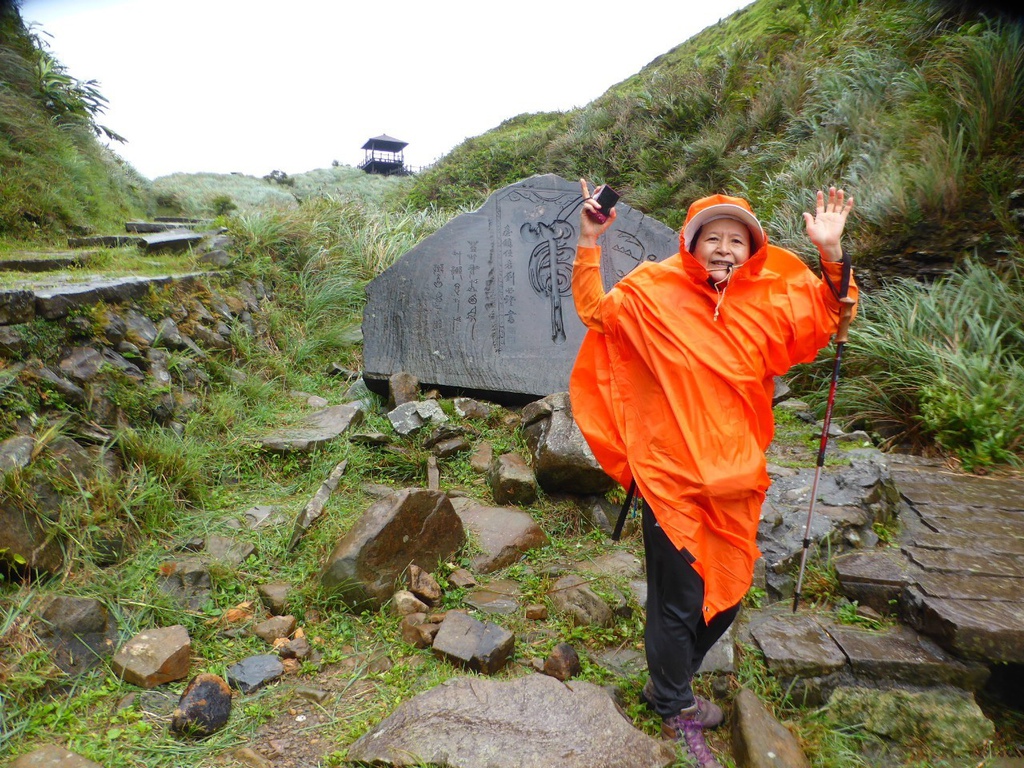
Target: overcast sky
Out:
[255,86]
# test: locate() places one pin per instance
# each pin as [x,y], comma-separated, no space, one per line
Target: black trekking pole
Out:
[845,315]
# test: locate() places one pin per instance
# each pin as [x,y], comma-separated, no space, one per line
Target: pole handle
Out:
[845,316]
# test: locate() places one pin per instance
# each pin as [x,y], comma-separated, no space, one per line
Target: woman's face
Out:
[723,245]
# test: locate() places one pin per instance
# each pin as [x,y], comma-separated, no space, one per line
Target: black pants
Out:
[675,636]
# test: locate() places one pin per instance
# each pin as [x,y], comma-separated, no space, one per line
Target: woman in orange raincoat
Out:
[672,389]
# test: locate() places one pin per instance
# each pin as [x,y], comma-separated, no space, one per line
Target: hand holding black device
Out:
[606,198]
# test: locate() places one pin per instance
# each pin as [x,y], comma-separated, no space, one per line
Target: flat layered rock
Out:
[921,487]
[315,430]
[972,629]
[41,262]
[901,655]
[170,242]
[57,300]
[105,241]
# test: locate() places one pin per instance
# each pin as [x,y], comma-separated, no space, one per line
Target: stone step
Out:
[149,227]
[105,241]
[22,305]
[812,655]
[181,220]
[159,242]
[42,261]
[958,575]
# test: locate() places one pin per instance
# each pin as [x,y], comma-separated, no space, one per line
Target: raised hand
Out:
[590,228]
[825,226]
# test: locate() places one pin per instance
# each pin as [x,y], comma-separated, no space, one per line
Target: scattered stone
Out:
[154,657]
[139,329]
[52,756]
[433,474]
[315,507]
[571,595]
[511,480]
[537,612]
[402,388]
[296,648]
[370,438]
[418,631]
[16,453]
[460,578]
[228,550]
[469,408]
[315,430]
[253,673]
[624,662]
[761,741]
[411,417]
[563,662]
[497,597]
[187,581]
[79,631]
[453,446]
[502,534]
[616,563]
[261,515]
[12,343]
[409,526]
[275,629]
[317,695]
[405,602]
[483,455]
[275,596]
[531,722]
[478,645]
[204,708]
[423,585]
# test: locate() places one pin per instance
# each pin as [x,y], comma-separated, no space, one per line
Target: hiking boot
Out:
[686,727]
[708,713]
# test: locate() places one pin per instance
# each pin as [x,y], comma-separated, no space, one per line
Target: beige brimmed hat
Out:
[707,209]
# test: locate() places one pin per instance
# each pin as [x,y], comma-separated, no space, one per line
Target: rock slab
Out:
[533,722]
[485,303]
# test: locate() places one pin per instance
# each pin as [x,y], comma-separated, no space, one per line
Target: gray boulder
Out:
[562,460]
[532,722]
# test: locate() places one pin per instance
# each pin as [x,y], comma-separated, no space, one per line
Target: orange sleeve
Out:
[834,271]
[588,288]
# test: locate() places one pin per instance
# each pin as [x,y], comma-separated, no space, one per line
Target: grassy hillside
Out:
[56,176]
[915,106]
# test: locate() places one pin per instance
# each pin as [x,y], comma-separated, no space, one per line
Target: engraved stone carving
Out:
[484,305]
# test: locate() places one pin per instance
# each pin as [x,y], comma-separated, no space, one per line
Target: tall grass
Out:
[943,364]
[55,177]
[323,253]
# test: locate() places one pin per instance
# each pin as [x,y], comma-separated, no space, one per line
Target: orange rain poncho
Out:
[681,401]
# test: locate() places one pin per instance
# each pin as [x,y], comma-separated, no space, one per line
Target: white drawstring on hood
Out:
[721,294]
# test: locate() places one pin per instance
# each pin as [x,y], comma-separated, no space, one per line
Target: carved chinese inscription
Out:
[485,304]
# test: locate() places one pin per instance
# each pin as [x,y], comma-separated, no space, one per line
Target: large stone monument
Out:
[484,305]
